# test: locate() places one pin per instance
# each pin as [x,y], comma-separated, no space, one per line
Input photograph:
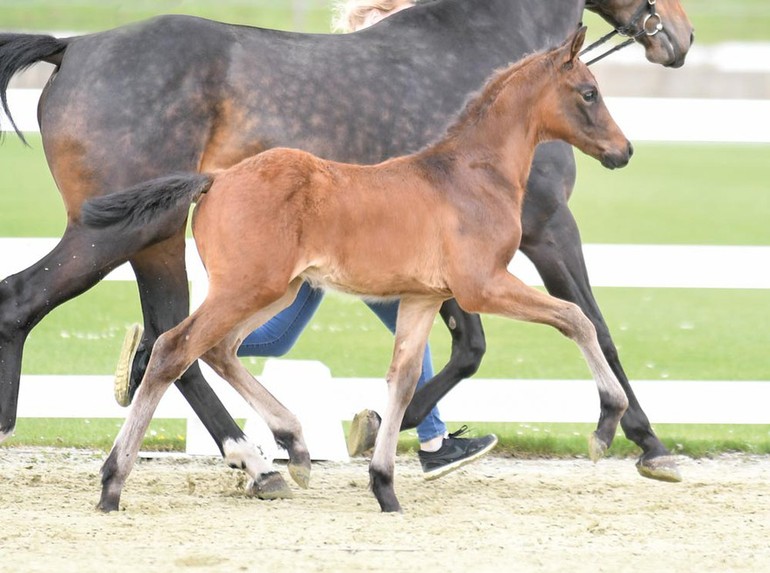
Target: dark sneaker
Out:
[122,383]
[454,453]
[363,432]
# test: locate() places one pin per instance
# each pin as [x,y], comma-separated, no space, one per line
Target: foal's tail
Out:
[155,209]
[20,51]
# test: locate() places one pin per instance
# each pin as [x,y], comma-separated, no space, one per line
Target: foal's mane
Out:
[481,101]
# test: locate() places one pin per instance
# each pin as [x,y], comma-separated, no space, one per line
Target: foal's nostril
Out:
[630,150]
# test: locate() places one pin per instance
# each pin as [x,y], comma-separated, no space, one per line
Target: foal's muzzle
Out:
[618,158]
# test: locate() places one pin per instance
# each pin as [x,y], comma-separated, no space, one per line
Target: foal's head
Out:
[575,111]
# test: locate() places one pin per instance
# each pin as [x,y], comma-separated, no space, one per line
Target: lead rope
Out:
[602,40]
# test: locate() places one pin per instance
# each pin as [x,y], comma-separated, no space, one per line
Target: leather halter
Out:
[645,22]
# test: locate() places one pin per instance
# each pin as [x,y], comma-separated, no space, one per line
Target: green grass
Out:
[98,433]
[566,440]
[518,440]
[95,15]
[714,20]
[661,334]
[697,194]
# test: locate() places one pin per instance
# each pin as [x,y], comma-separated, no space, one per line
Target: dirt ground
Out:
[190,514]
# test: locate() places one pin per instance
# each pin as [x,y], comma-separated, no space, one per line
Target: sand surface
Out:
[191,514]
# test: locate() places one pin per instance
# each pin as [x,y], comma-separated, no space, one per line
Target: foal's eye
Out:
[590,95]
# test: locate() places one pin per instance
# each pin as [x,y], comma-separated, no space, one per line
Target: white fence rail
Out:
[304,385]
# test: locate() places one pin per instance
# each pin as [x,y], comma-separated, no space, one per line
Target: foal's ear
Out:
[571,47]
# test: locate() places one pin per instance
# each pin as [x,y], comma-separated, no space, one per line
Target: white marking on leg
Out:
[245,455]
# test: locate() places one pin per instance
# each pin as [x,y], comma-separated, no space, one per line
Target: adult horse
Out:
[177,94]
[442,222]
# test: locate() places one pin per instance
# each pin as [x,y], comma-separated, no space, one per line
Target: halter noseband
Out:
[651,24]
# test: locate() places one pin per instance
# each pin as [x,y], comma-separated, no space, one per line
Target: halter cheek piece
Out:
[645,20]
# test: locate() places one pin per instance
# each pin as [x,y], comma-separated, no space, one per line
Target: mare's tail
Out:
[20,51]
[152,211]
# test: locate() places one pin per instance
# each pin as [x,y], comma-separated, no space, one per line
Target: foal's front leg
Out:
[506,295]
[415,318]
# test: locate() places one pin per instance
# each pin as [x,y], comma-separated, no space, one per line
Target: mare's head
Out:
[661,26]
[575,111]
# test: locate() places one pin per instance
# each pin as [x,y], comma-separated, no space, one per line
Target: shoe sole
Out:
[363,432]
[449,468]
[125,362]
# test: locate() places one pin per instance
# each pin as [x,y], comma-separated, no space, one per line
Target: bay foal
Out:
[285,216]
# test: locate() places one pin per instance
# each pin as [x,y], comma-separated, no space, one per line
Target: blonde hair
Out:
[352,15]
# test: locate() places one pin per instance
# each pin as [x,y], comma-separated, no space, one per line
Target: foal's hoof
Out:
[108,505]
[596,447]
[300,473]
[270,486]
[661,468]
[363,432]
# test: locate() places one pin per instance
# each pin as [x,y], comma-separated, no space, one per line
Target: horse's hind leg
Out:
[283,424]
[162,281]
[81,258]
[415,318]
[557,254]
[508,296]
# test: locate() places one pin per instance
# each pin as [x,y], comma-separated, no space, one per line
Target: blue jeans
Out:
[277,336]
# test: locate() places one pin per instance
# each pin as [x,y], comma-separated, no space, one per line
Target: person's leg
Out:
[279,334]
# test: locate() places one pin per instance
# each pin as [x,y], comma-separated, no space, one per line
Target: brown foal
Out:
[440,223]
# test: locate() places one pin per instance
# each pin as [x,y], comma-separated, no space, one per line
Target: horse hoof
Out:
[363,432]
[300,473]
[661,468]
[270,486]
[108,506]
[596,447]
[122,384]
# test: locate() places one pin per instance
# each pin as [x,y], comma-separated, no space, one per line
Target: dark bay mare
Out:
[183,94]
[440,223]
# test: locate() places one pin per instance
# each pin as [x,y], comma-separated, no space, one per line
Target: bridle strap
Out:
[651,24]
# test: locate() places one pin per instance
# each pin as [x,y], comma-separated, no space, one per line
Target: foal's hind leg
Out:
[162,280]
[508,296]
[283,424]
[173,353]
